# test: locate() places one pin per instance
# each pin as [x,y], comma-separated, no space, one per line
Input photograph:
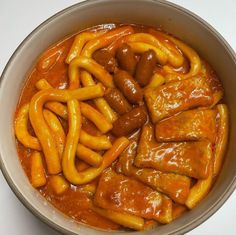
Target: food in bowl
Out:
[122,126]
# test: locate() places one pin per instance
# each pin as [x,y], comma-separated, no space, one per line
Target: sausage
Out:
[105,59]
[129,122]
[117,101]
[126,58]
[128,86]
[145,67]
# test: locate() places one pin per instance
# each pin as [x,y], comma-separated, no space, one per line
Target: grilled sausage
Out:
[126,58]
[129,122]
[145,67]
[105,59]
[128,86]
[117,101]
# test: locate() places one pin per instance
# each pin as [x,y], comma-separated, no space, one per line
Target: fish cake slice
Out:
[185,158]
[123,194]
[173,185]
[171,98]
[189,125]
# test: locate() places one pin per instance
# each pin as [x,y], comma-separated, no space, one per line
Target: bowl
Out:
[174,19]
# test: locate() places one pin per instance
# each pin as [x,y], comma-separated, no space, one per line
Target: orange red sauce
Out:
[75,201]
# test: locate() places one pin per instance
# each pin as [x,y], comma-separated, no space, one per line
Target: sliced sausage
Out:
[117,101]
[128,86]
[129,122]
[105,59]
[126,58]
[145,67]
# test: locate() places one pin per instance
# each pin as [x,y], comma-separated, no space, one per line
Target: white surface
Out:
[17,20]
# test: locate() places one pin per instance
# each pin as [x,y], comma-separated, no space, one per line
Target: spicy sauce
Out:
[75,202]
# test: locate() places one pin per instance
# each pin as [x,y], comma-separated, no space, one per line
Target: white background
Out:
[17,19]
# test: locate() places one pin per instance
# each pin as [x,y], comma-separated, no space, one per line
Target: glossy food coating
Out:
[145,67]
[128,86]
[171,98]
[120,193]
[129,122]
[126,58]
[105,59]
[128,163]
[173,185]
[189,125]
[117,101]
[184,158]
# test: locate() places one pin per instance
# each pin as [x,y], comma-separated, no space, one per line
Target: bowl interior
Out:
[171,18]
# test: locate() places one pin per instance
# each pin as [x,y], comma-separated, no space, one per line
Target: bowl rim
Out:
[188,226]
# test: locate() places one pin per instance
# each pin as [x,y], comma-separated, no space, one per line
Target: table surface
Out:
[17,20]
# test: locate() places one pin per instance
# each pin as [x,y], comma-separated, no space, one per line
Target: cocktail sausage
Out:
[105,59]
[126,58]
[117,101]
[128,86]
[145,67]
[129,122]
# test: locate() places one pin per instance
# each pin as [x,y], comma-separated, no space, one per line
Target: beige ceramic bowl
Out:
[180,22]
